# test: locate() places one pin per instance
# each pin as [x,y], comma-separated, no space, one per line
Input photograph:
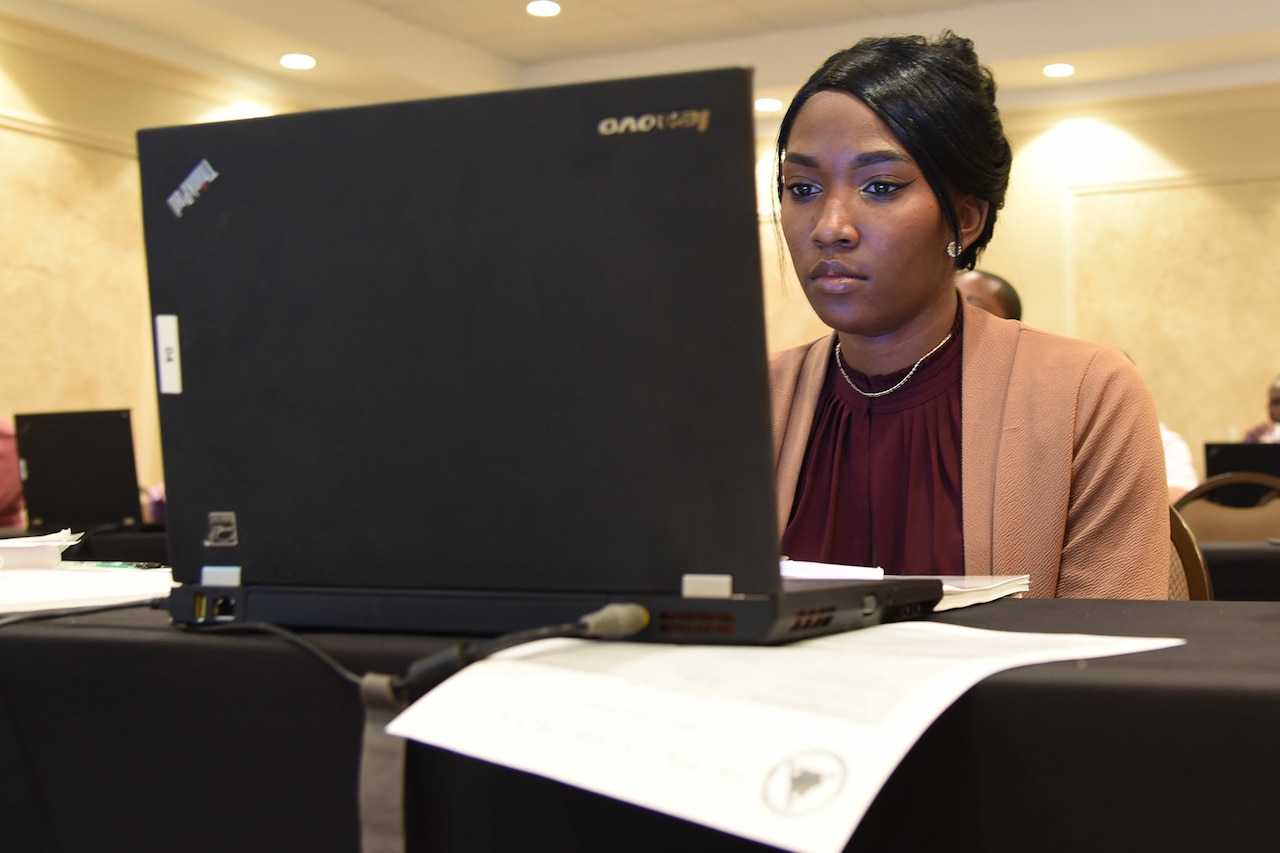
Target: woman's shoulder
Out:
[1046,363]
[791,359]
[1028,344]
[1052,345]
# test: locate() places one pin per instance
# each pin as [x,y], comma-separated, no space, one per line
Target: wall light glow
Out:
[1084,152]
[768,105]
[231,112]
[1059,69]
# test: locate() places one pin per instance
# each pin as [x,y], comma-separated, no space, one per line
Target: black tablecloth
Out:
[1243,571]
[119,732]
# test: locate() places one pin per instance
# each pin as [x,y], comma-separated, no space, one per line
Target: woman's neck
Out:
[880,355]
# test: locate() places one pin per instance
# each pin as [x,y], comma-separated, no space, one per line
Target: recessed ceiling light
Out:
[768,105]
[543,9]
[1059,69]
[298,61]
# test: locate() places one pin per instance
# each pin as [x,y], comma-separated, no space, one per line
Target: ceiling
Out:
[380,50]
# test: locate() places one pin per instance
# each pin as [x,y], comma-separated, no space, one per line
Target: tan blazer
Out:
[1062,464]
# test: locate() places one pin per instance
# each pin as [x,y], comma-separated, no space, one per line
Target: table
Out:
[119,732]
[1243,571]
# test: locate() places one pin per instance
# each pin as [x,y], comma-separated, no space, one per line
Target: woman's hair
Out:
[940,103]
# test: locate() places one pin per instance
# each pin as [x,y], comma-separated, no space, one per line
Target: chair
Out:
[1188,570]
[1212,521]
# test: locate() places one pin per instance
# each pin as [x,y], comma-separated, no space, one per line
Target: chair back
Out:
[1189,561]
[1211,521]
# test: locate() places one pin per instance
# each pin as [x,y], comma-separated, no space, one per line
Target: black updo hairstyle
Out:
[940,103]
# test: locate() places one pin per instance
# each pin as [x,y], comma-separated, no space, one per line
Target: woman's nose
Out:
[835,223]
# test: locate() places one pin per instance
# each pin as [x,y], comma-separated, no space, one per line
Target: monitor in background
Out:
[1225,458]
[78,470]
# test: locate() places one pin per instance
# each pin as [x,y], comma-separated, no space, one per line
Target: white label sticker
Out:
[168,354]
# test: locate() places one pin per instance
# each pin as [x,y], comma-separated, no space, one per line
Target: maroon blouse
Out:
[880,484]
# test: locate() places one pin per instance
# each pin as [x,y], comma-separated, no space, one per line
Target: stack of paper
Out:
[957,590]
[80,585]
[36,552]
[964,590]
[806,570]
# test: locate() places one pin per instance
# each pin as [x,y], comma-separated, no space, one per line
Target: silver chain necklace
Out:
[901,382]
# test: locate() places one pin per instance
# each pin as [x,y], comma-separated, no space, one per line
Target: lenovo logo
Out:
[697,120]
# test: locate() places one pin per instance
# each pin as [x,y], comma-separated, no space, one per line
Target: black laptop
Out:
[78,470]
[1228,457]
[474,365]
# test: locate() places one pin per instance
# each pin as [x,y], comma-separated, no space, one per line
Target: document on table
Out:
[80,585]
[968,590]
[957,590]
[808,570]
[785,745]
[36,552]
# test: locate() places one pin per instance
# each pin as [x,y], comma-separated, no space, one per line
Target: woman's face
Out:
[865,231]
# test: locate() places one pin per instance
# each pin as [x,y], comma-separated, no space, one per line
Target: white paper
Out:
[784,745]
[79,585]
[36,552]
[967,590]
[806,570]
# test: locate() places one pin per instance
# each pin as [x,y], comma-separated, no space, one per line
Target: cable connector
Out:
[611,622]
[614,621]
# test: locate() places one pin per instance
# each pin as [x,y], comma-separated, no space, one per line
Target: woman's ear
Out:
[972,215]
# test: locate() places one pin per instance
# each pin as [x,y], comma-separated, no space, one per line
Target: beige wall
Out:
[1153,226]
[73,295]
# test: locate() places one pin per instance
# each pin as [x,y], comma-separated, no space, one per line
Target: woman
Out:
[927,436]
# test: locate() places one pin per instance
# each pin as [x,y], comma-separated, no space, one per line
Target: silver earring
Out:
[954,248]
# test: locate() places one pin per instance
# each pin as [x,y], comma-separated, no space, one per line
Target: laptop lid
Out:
[78,470]
[494,349]
[1227,457]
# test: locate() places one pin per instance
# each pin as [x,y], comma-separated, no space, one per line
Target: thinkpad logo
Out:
[191,188]
[698,120]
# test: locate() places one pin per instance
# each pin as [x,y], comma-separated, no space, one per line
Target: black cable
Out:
[285,634]
[425,673]
[611,622]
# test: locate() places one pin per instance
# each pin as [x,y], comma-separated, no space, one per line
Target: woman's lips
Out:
[834,277]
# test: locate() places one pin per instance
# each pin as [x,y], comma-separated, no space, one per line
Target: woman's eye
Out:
[881,188]
[801,190]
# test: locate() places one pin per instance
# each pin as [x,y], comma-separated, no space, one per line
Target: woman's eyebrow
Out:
[867,158]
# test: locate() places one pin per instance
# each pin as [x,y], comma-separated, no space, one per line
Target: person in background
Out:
[989,292]
[1180,471]
[1268,432]
[924,435]
[11,503]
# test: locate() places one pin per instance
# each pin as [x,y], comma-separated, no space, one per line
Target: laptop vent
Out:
[689,623]
[807,620]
